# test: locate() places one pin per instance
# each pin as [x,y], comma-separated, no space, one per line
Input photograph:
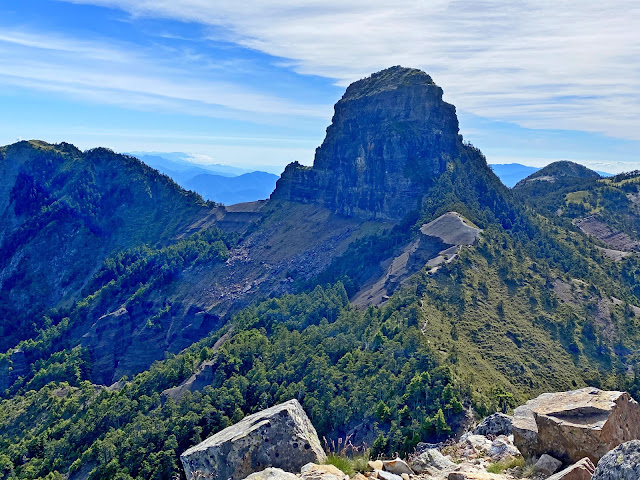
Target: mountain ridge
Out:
[74,209]
[222,184]
[257,300]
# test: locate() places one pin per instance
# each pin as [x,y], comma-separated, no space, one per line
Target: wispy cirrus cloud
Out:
[128,75]
[538,63]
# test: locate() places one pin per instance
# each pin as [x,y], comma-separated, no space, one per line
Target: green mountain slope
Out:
[62,212]
[607,209]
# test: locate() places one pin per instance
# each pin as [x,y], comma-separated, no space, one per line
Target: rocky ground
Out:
[556,436]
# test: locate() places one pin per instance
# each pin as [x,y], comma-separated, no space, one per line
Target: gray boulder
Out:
[621,463]
[502,448]
[272,474]
[494,425]
[430,461]
[280,436]
[547,464]
[311,471]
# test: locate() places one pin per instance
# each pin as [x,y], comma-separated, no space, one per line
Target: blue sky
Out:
[253,83]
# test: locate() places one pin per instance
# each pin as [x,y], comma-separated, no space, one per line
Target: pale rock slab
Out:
[272,474]
[572,425]
[312,471]
[397,466]
[582,470]
[382,475]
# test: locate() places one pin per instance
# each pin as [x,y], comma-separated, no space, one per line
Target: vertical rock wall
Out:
[390,136]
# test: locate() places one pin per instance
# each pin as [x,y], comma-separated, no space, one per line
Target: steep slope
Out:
[142,292]
[62,212]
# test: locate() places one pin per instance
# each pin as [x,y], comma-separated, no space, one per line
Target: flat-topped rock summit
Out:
[572,425]
[390,137]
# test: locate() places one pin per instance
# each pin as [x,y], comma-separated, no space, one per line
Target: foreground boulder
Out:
[621,463]
[583,470]
[312,471]
[280,436]
[431,461]
[495,425]
[577,424]
[272,474]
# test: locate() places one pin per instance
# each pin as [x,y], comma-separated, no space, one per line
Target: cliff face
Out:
[390,136]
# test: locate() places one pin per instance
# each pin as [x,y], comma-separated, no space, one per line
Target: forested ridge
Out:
[120,289]
[479,335]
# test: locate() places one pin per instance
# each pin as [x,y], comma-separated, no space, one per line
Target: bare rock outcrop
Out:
[390,136]
[281,436]
[572,425]
[621,463]
[272,474]
[439,242]
[582,470]
[495,425]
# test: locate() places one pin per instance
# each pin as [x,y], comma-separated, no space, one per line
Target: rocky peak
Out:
[390,136]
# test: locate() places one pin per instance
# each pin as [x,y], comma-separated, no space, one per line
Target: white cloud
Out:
[539,63]
[126,76]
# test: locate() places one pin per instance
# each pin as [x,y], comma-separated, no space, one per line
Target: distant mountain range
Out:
[219,183]
[247,187]
[230,185]
[512,173]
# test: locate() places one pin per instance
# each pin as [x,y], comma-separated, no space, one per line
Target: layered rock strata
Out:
[572,425]
[390,136]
